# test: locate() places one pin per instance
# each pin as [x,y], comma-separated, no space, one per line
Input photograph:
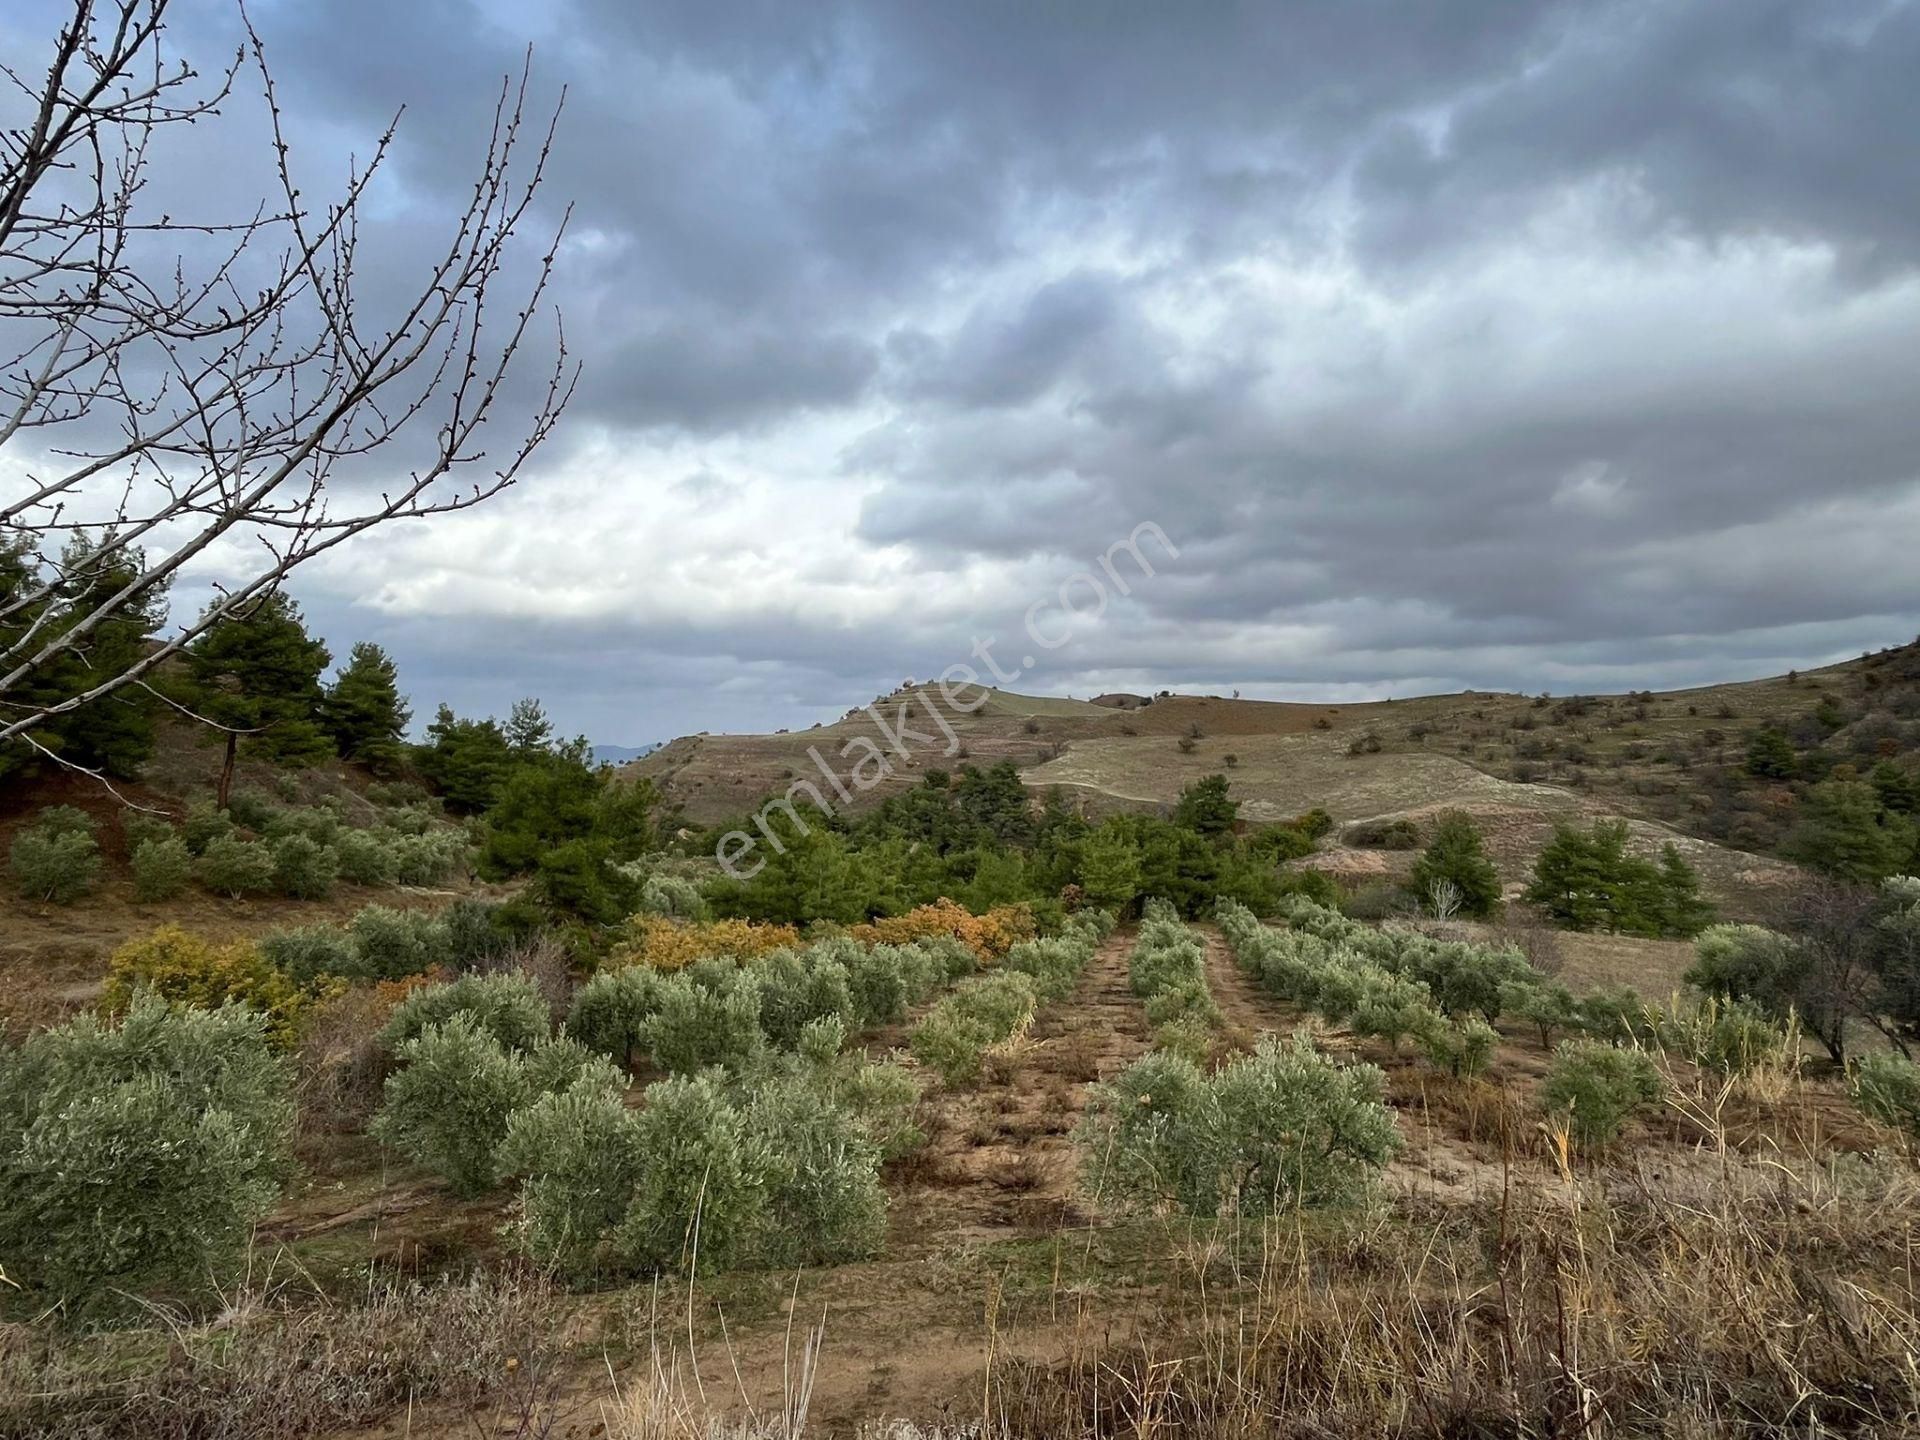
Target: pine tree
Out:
[257,673]
[1205,809]
[1457,856]
[1771,756]
[528,728]
[1109,869]
[113,734]
[1845,832]
[365,712]
[1684,913]
[465,760]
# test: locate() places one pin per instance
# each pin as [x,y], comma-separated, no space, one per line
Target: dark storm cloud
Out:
[1477,343]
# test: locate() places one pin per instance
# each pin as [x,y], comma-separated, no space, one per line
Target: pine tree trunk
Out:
[226,770]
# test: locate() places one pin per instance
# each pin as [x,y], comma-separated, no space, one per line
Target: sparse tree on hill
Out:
[256,674]
[182,385]
[1771,756]
[1844,831]
[1205,807]
[528,728]
[1455,864]
[365,712]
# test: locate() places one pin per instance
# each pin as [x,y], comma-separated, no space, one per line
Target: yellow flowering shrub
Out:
[989,936]
[667,944]
[188,969]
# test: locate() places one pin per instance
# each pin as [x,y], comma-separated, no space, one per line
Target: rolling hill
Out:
[1672,764]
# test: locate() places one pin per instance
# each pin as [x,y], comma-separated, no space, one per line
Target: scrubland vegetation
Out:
[1151,1127]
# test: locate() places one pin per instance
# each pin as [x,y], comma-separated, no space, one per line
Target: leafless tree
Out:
[170,384]
[1444,898]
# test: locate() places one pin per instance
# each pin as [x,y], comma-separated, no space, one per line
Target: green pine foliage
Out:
[162,866]
[1588,880]
[1456,858]
[55,860]
[258,671]
[364,712]
[236,868]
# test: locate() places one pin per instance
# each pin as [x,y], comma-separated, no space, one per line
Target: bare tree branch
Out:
[159,405]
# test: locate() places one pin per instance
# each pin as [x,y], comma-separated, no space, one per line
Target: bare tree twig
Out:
[162,405]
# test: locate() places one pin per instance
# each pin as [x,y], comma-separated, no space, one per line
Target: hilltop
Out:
[1674,764]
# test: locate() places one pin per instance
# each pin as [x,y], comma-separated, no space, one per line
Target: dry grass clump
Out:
[1758,1299]
[273,1367]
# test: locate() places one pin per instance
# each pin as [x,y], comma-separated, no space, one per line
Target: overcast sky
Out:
[1494,345]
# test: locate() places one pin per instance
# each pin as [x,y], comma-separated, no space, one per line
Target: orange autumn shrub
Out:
[667,944]
[989,936]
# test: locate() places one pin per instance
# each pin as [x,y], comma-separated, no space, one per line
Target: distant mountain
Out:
[621,754]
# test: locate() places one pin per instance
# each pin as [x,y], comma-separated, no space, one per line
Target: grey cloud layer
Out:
[1471,343]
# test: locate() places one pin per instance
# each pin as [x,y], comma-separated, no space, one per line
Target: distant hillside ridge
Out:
[1673,763]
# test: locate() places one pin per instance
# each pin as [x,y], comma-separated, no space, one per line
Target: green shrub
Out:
[953,1037]
[318,823]
[55,863]
[700,1196]
[1147,1140]
[447,1106]
[161,869]
[510,1008]
[696,1023]
[1594,1089]
[391,944]
[1296,1130]
[308,952]
[559,1062]
[673,896]
[1747,962]
[140,827]
[1549,1008]
[204,824]
[234,867]
[251,810]
[611,1011]
[882,980]
[365,859]
[474,934]
[823,1176]
[136,1158]
[430,858]
[578,1153]
[1887,1088]
[1281,1128]
[1462,1047]
[799,986]
[1727,1037]
[1615,1014]
[954,958]
[1053,965]
[303,868]
[882,1098]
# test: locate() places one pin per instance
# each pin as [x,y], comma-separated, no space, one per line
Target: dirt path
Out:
[1000,1158]
[1247,1011]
